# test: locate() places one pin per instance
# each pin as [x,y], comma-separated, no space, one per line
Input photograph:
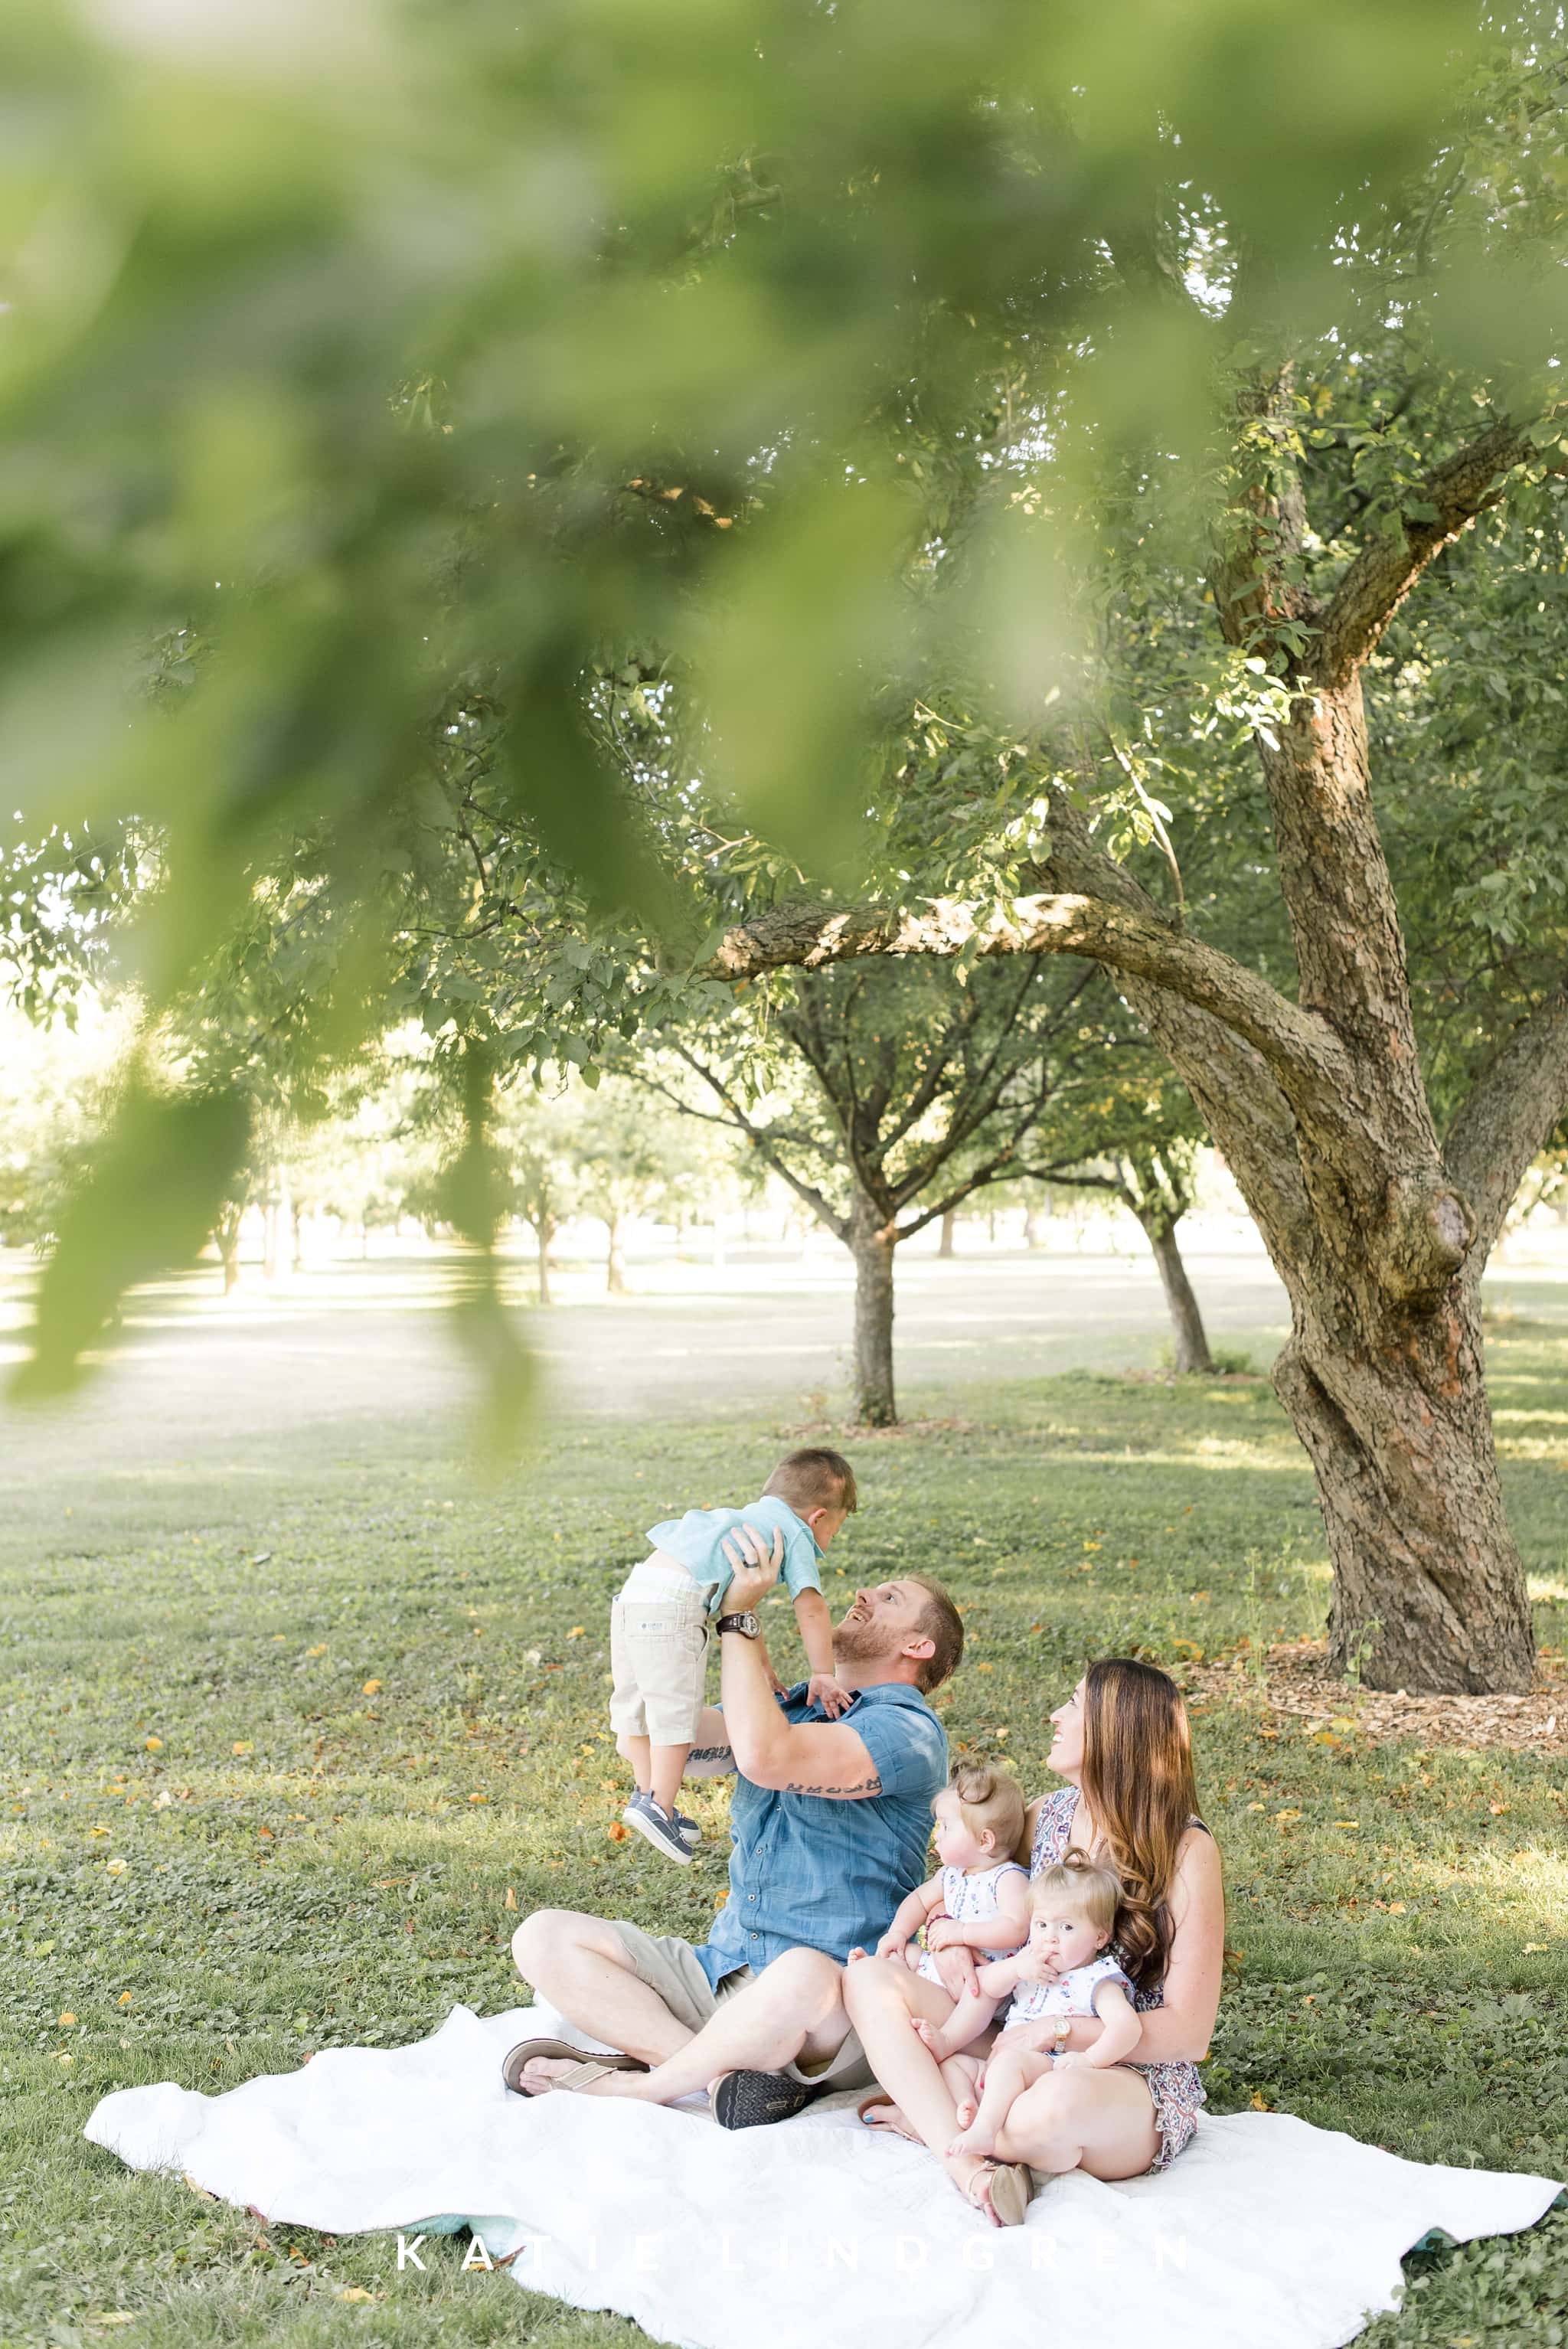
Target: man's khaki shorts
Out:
[658,1656]
[671,1967]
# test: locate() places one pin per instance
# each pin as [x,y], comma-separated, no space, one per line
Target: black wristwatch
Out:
[747,1625]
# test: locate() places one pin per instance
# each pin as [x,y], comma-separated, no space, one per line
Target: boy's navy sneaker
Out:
[688,1830]
[656,1826]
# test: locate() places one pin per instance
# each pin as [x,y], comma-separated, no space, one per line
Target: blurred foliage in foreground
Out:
[397,400]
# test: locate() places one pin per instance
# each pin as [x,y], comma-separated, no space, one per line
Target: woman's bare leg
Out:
[1009,2072]
[882,1999]
[1101,2122]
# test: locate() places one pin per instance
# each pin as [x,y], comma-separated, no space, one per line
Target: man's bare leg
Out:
[580,1965]
[792,2013]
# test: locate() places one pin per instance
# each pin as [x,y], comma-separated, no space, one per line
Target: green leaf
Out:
[145,1210]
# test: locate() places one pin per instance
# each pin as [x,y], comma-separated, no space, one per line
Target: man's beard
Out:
[866,1643]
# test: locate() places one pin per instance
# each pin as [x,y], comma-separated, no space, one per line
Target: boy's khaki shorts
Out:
[659,1655]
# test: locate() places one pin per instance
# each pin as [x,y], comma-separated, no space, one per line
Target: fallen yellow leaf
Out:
[319,1649]
[511,1900]
[1532,1949]
[1259,2102]
[243,1745]
[111,2316]
[114,1868]
[479,1798]
[153,1744]
[66,2021]
[124,1999]
[576,1631]
[371,1688]
[354,2291]
[1396,1908]
[1347,1823]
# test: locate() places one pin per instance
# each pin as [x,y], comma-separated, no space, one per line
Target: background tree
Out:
[1140,1135]
[886,1098]
[536,1141]
[631,1158]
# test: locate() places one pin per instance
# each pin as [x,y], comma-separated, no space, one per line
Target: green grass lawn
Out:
[278,1746]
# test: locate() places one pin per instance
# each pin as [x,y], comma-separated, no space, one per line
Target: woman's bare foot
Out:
[880,2113]
[975,2188]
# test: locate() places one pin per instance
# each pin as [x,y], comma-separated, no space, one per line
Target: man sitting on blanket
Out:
[829,1822]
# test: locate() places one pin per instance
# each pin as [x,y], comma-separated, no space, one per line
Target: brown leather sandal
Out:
[1007,2189]
[585,2068]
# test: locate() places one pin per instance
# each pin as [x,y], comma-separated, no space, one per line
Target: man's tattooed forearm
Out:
[871,1785]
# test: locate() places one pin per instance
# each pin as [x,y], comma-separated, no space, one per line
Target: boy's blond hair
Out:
[814,1479]
[1082,1885]
[988,1798]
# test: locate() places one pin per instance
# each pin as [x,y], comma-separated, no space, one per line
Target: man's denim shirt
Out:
[808,1872]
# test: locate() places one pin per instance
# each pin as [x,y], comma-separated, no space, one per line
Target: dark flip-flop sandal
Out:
[751,2099]
[586,2068]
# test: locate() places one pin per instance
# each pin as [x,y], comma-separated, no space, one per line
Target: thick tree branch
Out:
[1375,584]
[1302,1049]
[1509,1115]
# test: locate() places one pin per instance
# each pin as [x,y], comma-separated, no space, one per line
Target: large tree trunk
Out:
[544,1232]
[614,1259]
[1428,1587]
[1193,1356]
[944,1247]
[871,1242]
[1032,1219]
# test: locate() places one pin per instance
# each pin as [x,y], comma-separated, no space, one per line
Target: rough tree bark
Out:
[872,1240]
[1378,1228]
[944,1246]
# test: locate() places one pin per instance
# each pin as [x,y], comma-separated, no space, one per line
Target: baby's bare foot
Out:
[927,2034]
[966,2112]
[975,2143]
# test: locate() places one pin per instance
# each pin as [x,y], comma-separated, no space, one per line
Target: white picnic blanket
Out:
[814,2234]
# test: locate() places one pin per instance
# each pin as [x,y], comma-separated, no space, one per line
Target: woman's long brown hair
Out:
[1137,1779]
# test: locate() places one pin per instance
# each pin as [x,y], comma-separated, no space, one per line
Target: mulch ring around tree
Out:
[1298,1683]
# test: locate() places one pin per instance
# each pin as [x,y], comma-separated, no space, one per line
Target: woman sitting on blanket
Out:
[1121,1743]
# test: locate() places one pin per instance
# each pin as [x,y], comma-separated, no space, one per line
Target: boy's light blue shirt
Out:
[694,1541]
